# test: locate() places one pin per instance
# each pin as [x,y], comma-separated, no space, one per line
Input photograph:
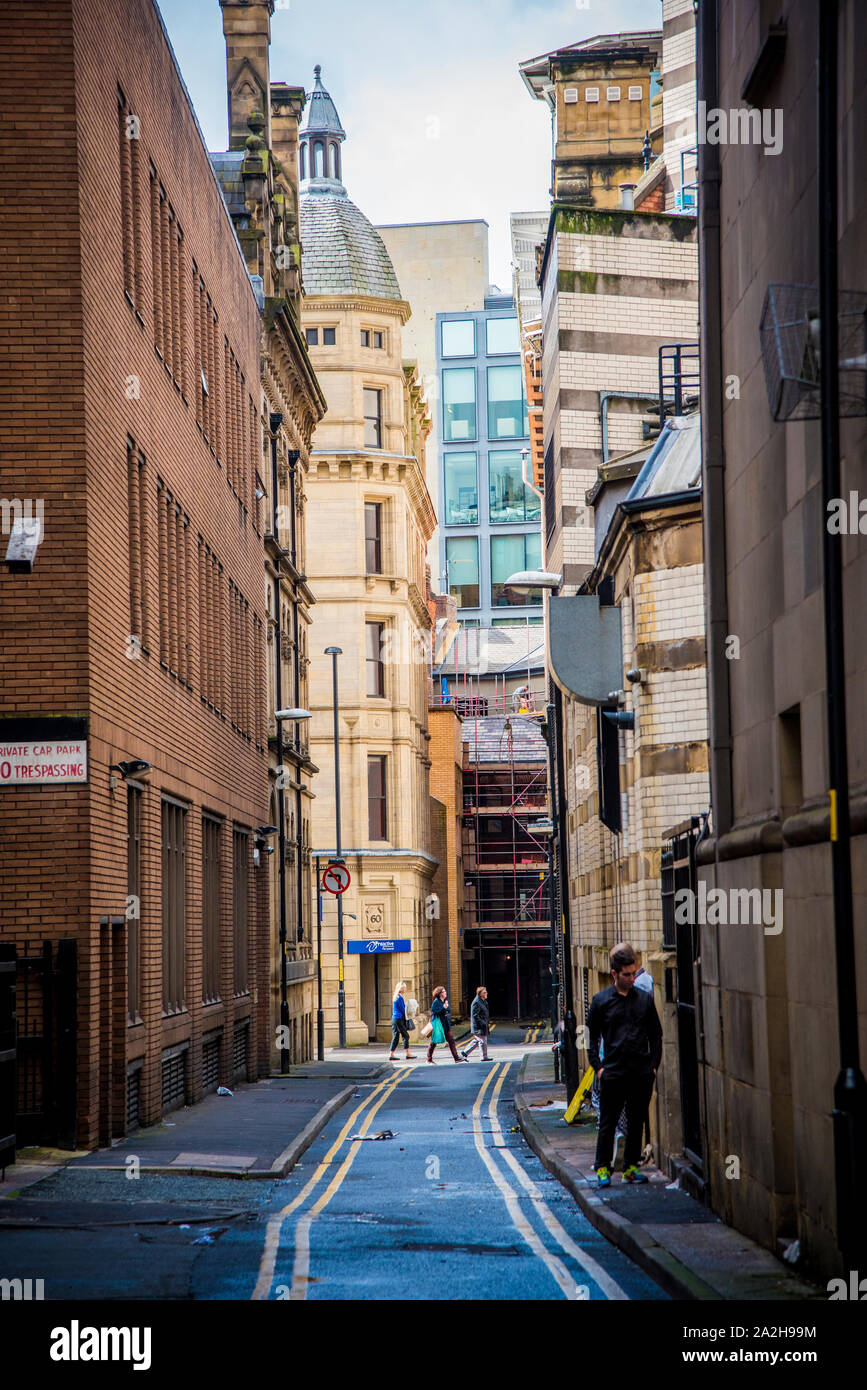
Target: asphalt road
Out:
[454,1206]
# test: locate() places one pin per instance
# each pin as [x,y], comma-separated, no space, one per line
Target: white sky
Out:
[439,124]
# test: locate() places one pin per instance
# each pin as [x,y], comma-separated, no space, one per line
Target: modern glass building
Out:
[489,520]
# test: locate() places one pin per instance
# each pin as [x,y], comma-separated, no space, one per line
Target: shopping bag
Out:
[438,1033]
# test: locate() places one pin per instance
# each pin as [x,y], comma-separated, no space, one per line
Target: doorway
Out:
[369,993]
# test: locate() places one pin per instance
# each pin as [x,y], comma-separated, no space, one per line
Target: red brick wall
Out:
[67,411]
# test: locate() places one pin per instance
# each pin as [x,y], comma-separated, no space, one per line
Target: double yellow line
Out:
[533,1032]
[553,1263]
[377,1098]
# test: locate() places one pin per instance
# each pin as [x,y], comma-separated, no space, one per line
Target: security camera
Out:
[133,767]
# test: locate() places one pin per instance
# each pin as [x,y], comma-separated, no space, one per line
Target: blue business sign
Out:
[373,948]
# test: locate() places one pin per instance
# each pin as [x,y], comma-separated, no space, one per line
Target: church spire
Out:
[320,137]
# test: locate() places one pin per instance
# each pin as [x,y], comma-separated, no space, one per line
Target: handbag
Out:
[410,1025]
[438,1033]
[427,1029]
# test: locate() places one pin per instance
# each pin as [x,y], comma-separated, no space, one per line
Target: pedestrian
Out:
[480,1016]
[399,1025]
[442,1024]
[626,1021]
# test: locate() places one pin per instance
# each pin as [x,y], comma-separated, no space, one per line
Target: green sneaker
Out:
[631,1174]
[603,1177]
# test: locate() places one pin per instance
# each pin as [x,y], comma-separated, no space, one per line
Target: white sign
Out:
[23,764]
[24,539]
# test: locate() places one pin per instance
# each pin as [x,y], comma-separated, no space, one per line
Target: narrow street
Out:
[453,1206]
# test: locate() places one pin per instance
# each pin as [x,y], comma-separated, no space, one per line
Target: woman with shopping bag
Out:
[441,1025]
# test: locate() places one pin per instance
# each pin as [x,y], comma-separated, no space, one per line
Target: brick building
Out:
[141,628]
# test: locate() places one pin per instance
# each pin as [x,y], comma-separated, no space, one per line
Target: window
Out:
[502,336]
[312,336]
[459,403]
[365,337]
[372,418]
[210,910]
[329,337]
[373,537]
[174,914]
[128,141]
[373,659]
[461,497]
[376,800]
[377,339]
[133,888]
[507,409]
[303,162]
[509,554]
[612,93]
[591,94]
[137,512]
[516,622]
[635,94]
[175,587]
[509,499]
[240,886]
[319,159]
[570,95]
[462,566]
[459,338]
[332,160]
[471,622]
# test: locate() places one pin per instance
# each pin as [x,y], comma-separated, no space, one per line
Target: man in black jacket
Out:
[626,1020]
[480,1016]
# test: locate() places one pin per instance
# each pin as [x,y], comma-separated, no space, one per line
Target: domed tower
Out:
[369,520]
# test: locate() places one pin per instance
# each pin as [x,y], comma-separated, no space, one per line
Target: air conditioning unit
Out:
[790,332]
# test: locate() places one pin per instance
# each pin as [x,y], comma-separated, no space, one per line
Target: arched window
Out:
[337,173]
[303,161]
[332,159]
[319,159]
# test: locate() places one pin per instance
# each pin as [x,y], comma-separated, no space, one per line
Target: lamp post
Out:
[334,653]
[280,715]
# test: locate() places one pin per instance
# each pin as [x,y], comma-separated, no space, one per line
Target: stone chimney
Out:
[247,28]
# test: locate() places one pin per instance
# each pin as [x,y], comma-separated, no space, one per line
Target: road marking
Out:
[609,1286]
[272,1231]
[555,1266]
[301,1266]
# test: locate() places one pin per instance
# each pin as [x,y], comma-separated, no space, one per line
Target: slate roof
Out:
[674,463]
[487,739]
[343,253]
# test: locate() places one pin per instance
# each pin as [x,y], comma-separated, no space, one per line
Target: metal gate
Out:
[38,1039]
[678,871]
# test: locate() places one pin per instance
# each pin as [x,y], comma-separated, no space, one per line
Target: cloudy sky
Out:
[439,124]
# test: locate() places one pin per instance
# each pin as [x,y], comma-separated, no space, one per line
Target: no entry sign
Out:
[336,879]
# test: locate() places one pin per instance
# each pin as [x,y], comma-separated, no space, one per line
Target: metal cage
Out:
[790,340]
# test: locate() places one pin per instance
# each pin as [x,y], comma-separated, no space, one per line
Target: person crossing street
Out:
[480,1016]
[442,1025]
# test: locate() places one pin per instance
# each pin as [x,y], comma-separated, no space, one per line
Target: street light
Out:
[334,653]
[280,715]
[524,580]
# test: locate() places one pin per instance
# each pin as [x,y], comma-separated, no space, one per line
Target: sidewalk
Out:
[260,1131]
[680,1243]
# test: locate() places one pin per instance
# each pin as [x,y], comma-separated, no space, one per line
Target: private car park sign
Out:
[54,761]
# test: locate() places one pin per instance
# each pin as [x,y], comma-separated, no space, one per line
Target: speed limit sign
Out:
[336,879]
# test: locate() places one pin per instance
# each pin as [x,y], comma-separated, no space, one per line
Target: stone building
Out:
[767,990]
[447,912]
[259,177]
[369,521]
[137,642]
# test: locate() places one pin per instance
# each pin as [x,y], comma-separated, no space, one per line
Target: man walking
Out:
[479,1020]
[626,1020]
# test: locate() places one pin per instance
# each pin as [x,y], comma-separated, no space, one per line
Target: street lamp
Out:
[334,653]
[280,715]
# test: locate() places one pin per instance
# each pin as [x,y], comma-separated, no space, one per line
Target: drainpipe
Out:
[274,423]
[713,453]
[293,457]
[850,1088]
